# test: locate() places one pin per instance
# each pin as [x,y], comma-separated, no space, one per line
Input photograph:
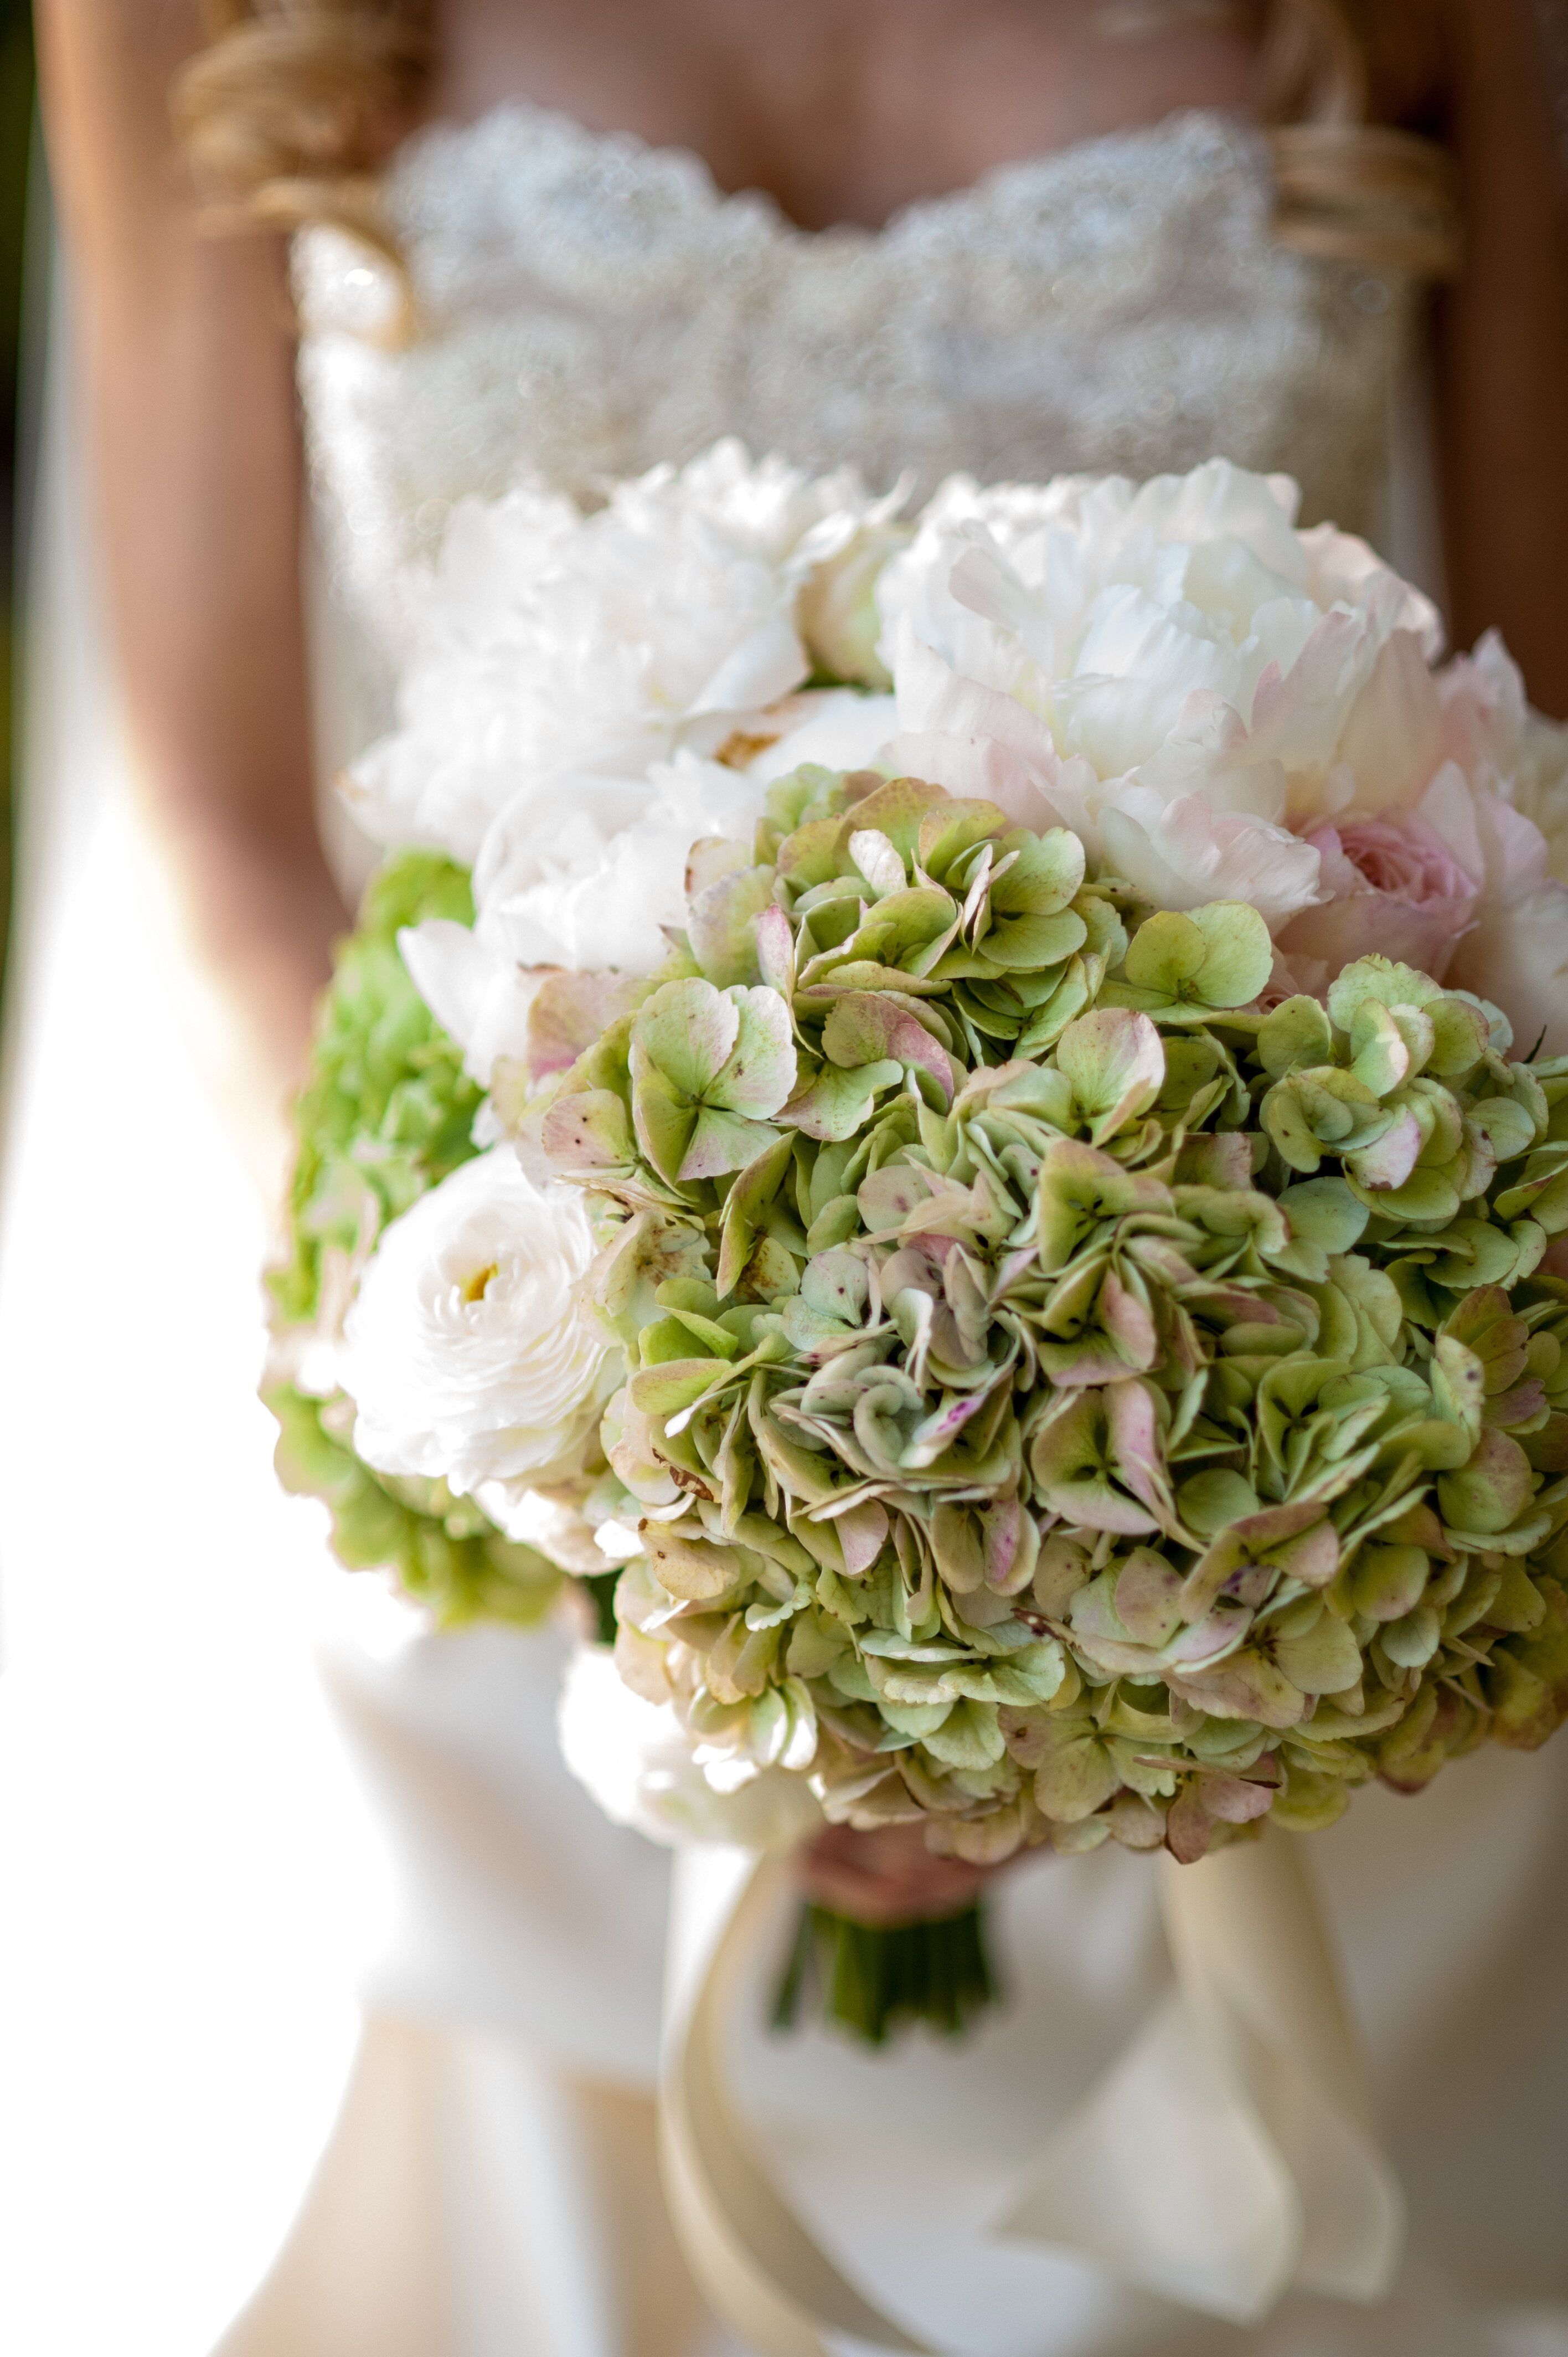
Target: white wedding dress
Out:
[586,307]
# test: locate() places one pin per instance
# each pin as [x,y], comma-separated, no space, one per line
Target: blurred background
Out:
[17,149]
[186,1877]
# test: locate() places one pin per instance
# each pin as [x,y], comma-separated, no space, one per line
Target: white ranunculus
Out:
[470,1353]
[1172,670]
[548,641]
[639,1764]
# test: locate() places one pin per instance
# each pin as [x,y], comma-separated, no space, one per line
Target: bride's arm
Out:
[185,368]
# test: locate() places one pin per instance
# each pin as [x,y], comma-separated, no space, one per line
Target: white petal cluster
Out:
[1172,670]
[470,1354]
[639,1764]
[587,872]
[550,642]
[1224,706]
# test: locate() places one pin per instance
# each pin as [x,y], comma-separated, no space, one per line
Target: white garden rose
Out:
[469,1352]
[1172,670]
[549,642]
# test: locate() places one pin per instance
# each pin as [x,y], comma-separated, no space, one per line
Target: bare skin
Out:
[888,1876]
[188,386]
[843,113]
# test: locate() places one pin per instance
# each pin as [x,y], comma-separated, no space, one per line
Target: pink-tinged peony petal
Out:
[1393,740]
[975,741]
[1485,709]
[1183,854]
[1211,753]
[1297,717]
[932,695]
[1503,852]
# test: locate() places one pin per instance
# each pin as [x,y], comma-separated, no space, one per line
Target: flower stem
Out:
[873,1978]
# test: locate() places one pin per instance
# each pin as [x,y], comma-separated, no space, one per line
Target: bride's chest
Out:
[587,307]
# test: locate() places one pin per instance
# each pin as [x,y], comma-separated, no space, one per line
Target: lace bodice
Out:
[588,306]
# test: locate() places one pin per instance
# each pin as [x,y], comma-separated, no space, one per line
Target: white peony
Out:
[586,872]
[549,642]
[1172,670]
[469,1352]
[639,1764]
[1499,799]
[474,988]
[837,728]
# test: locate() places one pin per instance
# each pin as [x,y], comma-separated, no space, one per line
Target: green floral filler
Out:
[1069,1398]
[386,1112]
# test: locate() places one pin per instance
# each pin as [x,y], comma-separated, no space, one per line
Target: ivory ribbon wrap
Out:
[761,2271]
[1228,2154]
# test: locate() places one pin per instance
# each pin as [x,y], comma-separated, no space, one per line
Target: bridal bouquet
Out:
[981,1164]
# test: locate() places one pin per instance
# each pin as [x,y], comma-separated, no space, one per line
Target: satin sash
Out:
[1228,2155]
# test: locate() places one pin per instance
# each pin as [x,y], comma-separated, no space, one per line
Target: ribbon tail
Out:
[1248,1940]
[759,2268]
[1230,2153]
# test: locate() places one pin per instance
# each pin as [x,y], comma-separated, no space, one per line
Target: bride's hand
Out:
[888,1877]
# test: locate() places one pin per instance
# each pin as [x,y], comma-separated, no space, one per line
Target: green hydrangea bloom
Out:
[445,1554]
[386,1110]
[1070,1399]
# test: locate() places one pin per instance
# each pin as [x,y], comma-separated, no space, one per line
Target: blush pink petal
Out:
[1396,887]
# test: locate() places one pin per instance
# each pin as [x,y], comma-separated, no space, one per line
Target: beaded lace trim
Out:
[590,306]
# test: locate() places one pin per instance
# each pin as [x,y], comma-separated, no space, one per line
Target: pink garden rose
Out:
[1395,886]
